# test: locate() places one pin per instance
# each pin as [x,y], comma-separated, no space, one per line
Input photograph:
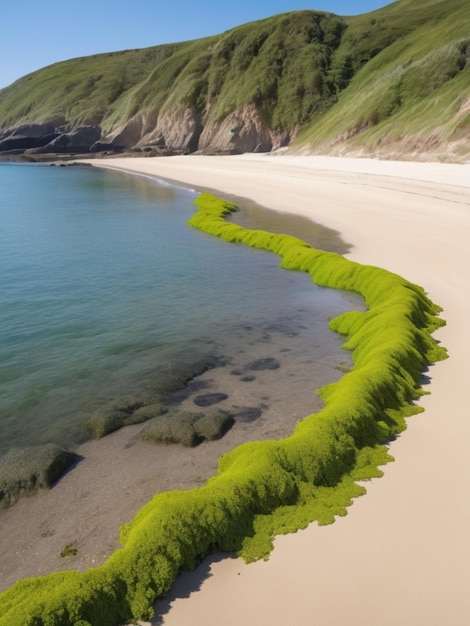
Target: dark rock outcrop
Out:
[78,141]
[27,136]
[23,471]
[49,139]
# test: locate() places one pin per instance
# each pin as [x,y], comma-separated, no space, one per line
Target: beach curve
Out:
[400,555]
[270,612]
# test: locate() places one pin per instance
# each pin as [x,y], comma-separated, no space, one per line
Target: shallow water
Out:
[102,282]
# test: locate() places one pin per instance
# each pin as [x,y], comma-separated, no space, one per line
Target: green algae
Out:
[263,488]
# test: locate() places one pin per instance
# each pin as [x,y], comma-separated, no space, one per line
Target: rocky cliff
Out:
[170,133]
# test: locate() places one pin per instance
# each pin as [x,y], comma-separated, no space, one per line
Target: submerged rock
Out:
[268,363]
[248,414]
[122,412]
[148,404]
[109,418]
[167,380]
[207,399]
[24,471]
[119,413]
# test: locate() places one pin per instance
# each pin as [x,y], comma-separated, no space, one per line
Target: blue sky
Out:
[36,33]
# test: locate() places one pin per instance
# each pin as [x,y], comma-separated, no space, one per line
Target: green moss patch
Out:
[263,488]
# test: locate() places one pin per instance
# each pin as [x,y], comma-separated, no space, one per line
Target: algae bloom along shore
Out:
[264,488]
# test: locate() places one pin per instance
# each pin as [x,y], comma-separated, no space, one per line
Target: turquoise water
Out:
[102,282]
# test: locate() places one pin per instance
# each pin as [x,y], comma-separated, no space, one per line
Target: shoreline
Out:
[37,528]
[405,540]
[300,559]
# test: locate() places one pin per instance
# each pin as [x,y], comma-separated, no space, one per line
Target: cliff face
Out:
[170,133]
[49,139]
[186,132]
[243,131]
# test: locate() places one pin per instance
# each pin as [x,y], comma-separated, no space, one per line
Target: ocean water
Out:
[102,282]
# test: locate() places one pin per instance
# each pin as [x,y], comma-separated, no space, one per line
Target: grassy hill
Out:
[393,79]
[411,94]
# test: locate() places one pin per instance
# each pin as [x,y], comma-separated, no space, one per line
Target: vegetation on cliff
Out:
[401,73]
[263,488]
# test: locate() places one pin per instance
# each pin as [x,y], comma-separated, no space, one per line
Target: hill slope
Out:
[411,97]
[396,77]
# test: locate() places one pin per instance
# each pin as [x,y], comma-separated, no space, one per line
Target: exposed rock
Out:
[128,135]
[213,425]
[24,471]
[34,130]
[185,132]
[241,131]
[173,131]
[27,136]
[167,380]
[104,421]
[177,131]
[79,140]
[181,130]
[187,429]
[174,427]
[120,413]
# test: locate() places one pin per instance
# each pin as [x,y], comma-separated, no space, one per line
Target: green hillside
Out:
[398,76]
[414,85]
[278,64]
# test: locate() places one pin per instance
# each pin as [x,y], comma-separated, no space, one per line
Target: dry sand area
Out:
[401,554]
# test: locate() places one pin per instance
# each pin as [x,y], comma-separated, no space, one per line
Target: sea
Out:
[103,282]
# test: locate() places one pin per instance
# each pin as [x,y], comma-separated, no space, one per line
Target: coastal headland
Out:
[406,538]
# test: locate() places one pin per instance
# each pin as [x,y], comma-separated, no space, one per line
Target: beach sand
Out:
[401,554]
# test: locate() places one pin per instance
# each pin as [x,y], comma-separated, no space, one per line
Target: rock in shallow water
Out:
[187,429]
[208,399]
[264,364]
[24,471]
[118,414]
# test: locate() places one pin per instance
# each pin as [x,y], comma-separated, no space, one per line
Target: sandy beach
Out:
[401,554]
